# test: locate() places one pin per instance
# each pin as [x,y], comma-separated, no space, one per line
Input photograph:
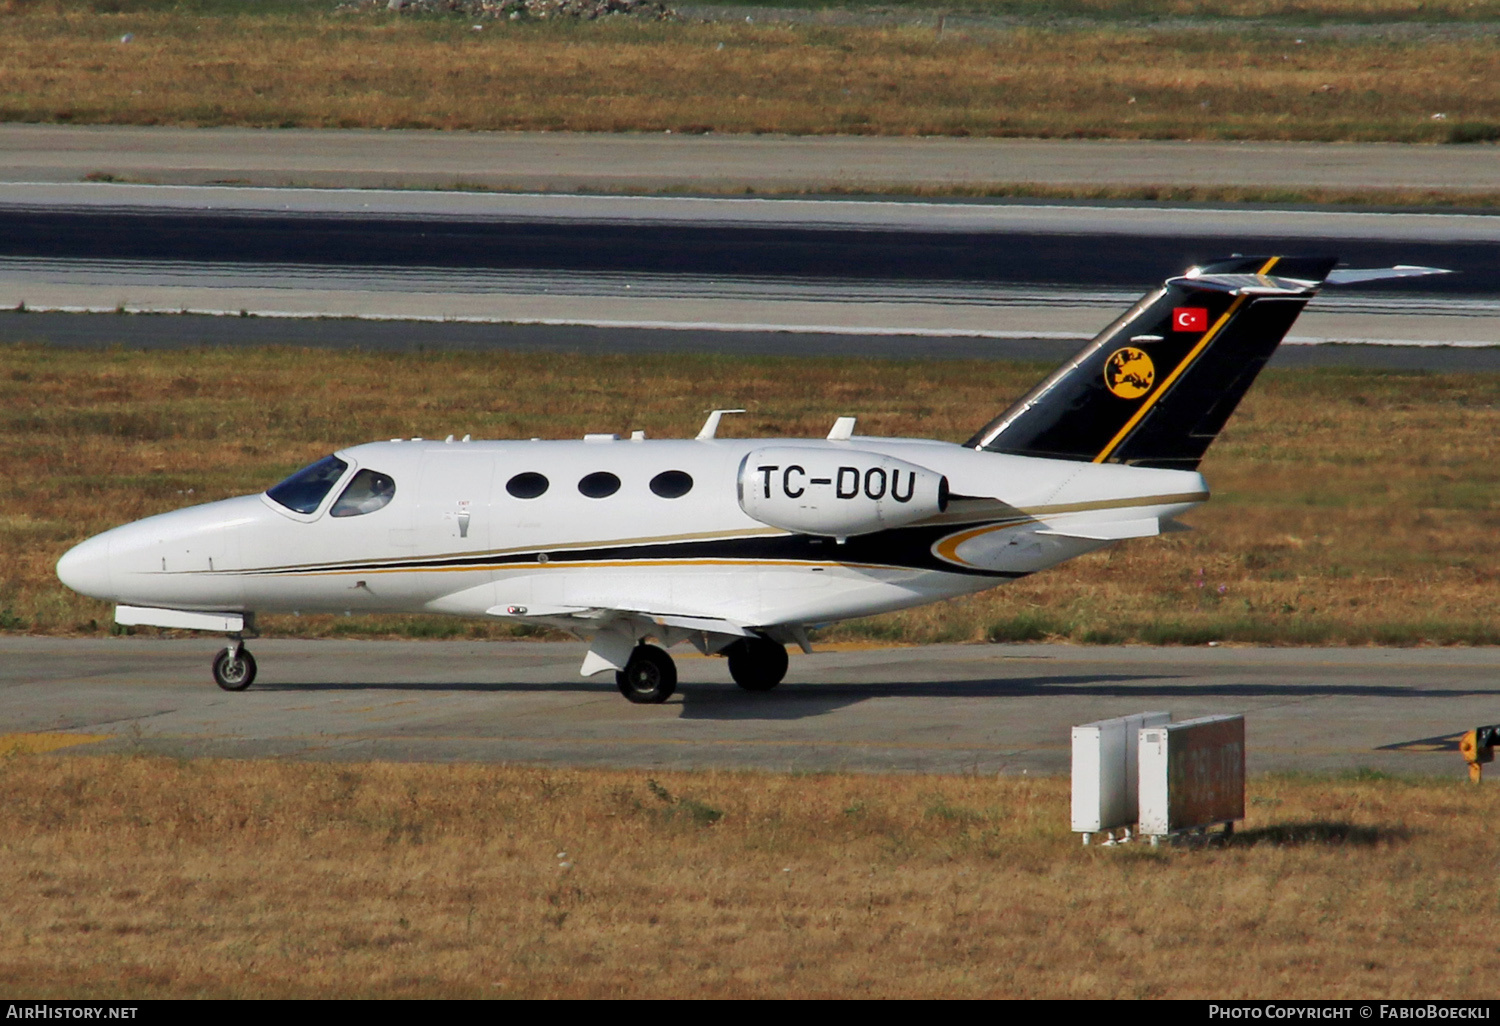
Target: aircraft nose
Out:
[85,568]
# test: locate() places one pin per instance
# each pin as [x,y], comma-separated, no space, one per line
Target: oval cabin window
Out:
[672,484]
[599,484]
[527,486]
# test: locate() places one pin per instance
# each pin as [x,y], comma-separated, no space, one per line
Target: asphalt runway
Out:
[978,709]
[1131,246]
[186,332]
[636,161]
[921,269]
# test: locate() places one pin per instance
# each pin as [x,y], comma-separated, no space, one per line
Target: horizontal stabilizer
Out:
[1117,530]
[1353,275]
[1247,284]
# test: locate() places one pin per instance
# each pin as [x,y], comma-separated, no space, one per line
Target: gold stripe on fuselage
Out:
[1023,516]
[595,564]
[747,532]
[945,549]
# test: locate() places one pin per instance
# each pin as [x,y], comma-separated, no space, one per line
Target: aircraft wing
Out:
[584,616]
[707,624]
[613,632]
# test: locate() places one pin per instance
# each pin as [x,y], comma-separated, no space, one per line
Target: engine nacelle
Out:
[837,492]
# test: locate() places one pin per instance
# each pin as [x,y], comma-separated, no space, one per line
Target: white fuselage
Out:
[454,539]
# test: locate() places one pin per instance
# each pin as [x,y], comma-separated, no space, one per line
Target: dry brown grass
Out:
[1297,11]
[1350,506]
[1457,197]
[63,62]
[143,877]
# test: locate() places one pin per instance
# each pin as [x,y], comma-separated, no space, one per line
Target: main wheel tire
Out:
[235,674]
[757,664]
[649,678]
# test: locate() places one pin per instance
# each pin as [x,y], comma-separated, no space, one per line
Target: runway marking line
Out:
[49,741]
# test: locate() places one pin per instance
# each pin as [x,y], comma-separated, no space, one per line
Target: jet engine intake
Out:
[837,492]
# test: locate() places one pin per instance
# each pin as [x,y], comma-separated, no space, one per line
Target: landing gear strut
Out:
[234,667]
[756,664]
[649,676]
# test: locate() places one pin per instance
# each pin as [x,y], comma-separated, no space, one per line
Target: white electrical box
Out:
[1192,774]
[1104,771]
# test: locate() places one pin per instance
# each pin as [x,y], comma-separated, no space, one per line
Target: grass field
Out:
[1313,12]
[143,877]
[1458,199]
[282,65]
[1350,507]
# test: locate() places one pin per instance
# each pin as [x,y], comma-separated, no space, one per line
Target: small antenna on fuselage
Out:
[711,425]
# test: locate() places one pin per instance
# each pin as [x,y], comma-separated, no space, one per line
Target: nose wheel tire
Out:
[234,671]
[649,677]
[756,664]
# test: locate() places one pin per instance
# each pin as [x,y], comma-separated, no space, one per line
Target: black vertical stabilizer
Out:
[1156,386]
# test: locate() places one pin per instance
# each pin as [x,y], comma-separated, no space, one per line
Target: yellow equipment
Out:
[1478,748]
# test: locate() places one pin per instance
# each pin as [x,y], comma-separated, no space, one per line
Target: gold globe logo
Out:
[1129,372]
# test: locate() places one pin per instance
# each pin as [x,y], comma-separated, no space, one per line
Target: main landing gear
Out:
[756,664]
[649,677]
[234,667]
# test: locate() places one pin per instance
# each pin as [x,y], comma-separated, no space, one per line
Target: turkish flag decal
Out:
[1190,318]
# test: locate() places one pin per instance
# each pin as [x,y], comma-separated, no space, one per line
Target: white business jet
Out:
[734,545]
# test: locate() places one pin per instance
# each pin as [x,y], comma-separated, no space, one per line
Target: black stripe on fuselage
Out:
[902,549]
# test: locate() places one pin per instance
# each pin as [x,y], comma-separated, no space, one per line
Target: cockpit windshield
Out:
[368,491]
[305,490]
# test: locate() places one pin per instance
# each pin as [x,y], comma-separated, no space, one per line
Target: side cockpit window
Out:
[370,490]
[305,490]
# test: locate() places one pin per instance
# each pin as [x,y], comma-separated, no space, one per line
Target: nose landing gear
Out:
[234,667]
